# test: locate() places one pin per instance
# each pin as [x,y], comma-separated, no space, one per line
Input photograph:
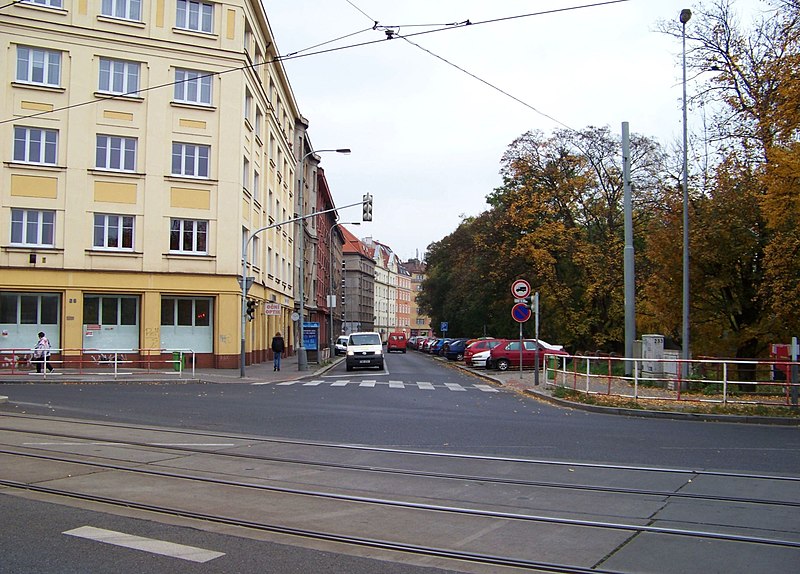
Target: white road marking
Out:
[313,383]
[454,387]
[425,386]
[127,444]
[396,385]
[286,383]
[151,545]
[486,388]
[340,383]
[367,383]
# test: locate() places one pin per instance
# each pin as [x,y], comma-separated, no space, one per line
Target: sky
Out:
[427,138]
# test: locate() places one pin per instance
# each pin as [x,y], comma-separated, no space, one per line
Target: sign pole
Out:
[536,357]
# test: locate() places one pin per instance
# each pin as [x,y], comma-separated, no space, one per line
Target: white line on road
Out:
[425,386]
[454,387]
[396,385]
[367,383]
[151,545]
[486,388]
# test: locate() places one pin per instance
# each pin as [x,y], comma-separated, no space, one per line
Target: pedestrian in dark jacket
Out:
[277,349]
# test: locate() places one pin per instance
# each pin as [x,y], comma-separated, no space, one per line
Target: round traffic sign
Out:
[520,312]
[520,288]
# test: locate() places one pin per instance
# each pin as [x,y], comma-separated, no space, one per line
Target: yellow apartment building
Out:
[141,142]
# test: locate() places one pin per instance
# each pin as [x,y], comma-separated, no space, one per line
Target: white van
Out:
[341,345]
[364,350]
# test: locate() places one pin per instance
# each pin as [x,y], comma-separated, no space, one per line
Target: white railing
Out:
[765,382]
[101,362]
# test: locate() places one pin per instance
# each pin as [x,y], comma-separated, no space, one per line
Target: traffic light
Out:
[366,205]
[251,309]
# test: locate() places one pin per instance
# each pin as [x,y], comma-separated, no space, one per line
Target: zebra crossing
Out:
[372,383]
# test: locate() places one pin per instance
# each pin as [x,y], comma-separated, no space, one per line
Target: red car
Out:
[507,355]
[478,346]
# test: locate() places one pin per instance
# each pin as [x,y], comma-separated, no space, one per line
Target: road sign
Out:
[443,327]
[520,289]
[521,312]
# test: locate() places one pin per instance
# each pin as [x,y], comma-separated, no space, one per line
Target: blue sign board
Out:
[520,312]
[443,327]
[311,336]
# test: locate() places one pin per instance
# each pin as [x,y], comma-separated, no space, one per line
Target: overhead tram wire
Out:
[317,53]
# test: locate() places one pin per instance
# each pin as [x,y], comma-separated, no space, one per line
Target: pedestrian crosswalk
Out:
[372,383]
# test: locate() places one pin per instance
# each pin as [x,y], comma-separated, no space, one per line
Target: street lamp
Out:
[332,292]
[686,14]
[302,358]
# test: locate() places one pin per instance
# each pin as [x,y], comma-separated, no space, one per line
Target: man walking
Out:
[277,349]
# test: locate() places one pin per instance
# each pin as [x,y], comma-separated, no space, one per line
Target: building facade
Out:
[143,144]
[420,323]
[358,296]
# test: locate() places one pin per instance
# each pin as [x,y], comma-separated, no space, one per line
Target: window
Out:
[193,87]
[110,310]
[113,231]
[32,227]
[123,9]
[188,236]
[48,3]
[119,77]
[190,160]
[116,153]
[256,185]
[185,312]
[248,104]
[26,309]
[38,66]
[195,16]
[259,122]
[246,174]
[35,145]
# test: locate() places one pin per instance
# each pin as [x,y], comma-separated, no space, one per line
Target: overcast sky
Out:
[427,138]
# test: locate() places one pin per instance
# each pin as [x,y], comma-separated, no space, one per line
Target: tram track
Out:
[302,489]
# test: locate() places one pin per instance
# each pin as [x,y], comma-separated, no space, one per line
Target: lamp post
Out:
[332,292]
[302,358]
[686,14]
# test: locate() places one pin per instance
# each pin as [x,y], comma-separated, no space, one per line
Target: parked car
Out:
[479,358]
[434,348]
[426,343]
[364,350]
[507,354]
[396,342]
[411,343]
[478,346]
[340,348]
[455,350]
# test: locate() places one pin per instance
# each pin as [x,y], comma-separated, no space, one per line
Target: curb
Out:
[643,413]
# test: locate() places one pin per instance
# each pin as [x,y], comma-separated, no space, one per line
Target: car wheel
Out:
[460,357]
[502,365]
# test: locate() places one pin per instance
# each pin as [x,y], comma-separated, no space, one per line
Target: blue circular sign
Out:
[520,312]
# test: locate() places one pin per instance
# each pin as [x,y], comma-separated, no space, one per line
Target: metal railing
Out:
[723,381]
[100,362]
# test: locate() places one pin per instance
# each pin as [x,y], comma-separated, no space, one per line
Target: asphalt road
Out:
[410,405]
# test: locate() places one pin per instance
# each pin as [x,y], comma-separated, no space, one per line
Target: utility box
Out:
[652,353]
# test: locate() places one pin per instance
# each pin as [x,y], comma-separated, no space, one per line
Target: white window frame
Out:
[47,3]
[195,16]
[118,77]
[122,9]
[35,145]
[38,66]
[115,153]
[196,157]
[198,233]
[113,227]
[193,87]
[33,227]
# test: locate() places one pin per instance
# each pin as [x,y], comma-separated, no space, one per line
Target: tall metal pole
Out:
[630,276]
[302,357]
[686,14]
[332,292]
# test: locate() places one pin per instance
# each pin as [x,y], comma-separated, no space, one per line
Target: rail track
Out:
[399,501]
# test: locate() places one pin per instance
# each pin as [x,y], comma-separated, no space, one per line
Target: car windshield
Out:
[366,339]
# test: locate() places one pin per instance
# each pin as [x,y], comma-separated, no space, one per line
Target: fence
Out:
[117,362]
[735,381]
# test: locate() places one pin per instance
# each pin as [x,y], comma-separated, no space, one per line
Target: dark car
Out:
[434,347]
[455,350]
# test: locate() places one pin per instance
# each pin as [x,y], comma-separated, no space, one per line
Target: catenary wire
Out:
[298,55]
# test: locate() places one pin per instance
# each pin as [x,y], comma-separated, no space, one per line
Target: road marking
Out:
[454,387]
[339,383]
[127,444]
[313,383]
[486,388]
[286,383]
[367,383]
[151,545]
[425,386]
[396,385]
